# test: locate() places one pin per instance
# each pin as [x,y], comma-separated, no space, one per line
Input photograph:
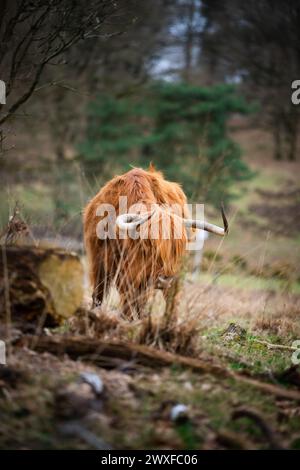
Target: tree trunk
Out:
[291,127]
[44,286]
[277,140]
[189,40]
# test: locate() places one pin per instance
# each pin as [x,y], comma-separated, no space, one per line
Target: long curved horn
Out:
[201,224]
[131,221]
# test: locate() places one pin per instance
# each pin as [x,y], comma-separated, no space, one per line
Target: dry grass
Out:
[217,306]
[200,308]
[170,333]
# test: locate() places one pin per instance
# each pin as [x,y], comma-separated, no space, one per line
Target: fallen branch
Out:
[112,354]
[109,352]
[275,346]
[261,423]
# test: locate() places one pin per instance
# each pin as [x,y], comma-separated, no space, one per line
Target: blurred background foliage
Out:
[94,87]
[180,127]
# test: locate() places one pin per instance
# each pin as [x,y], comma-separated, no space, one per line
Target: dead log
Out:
[38,285]
[111,354]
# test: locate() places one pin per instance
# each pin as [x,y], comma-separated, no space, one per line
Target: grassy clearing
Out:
[250,282]
[247,354]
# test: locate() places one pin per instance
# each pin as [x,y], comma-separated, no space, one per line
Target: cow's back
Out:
[136,260]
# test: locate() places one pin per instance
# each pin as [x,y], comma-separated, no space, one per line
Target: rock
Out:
[179,413]
[94,381]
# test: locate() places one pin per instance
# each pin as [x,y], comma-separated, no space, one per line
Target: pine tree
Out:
[181,128]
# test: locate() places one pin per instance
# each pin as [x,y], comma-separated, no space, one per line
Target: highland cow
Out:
[135,264]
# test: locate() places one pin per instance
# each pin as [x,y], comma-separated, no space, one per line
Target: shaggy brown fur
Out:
[134,265]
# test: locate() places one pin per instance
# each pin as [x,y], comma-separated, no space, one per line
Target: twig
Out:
[261,423]
[275,346]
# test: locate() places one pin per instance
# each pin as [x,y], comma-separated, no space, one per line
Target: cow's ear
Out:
[151,167]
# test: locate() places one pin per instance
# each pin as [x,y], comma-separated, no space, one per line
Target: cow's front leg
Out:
[171,295]
[101,285]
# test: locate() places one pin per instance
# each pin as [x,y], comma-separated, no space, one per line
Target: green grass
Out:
[245,353]
[243,281]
